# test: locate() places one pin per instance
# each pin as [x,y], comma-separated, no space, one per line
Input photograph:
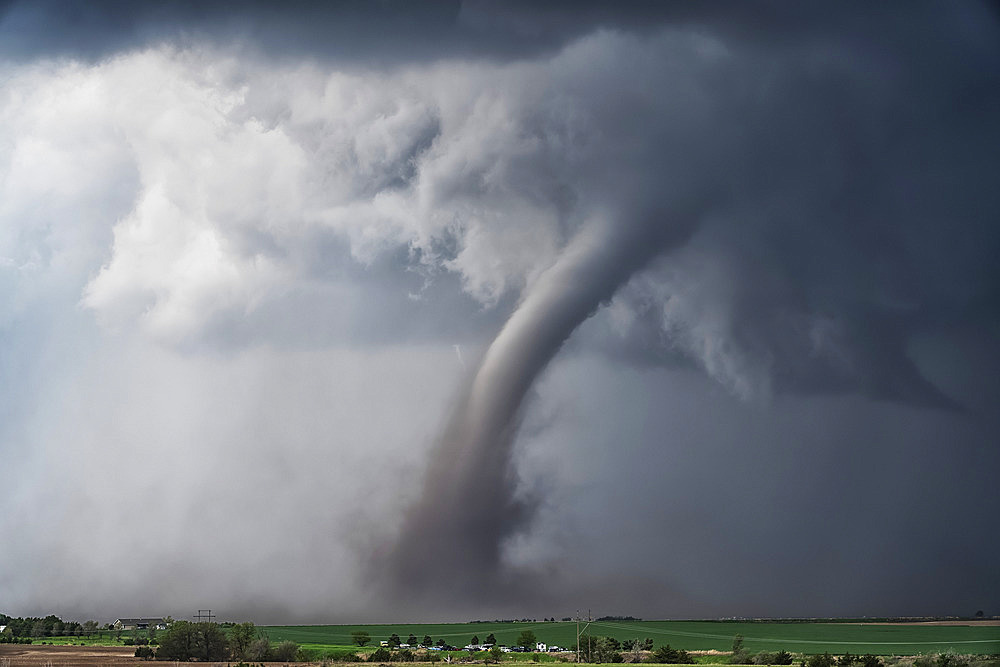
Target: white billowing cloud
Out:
[239,168]
[235,171]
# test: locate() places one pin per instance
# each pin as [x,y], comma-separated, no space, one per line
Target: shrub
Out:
[381,654]
[144,652]
[783,657]
[869,660]
[740,655]
[285,651]
[764,658]
[950,659]
[259,649]
[406,655]
[345,656]
[664,655]
[824,660]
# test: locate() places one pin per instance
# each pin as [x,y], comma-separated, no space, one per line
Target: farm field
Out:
[107,639]
[795,637]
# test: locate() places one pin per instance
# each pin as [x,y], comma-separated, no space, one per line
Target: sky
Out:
[387,311]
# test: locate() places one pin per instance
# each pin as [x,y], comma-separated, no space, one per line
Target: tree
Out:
[665,655]
[490,639]
[427,641]
[394,640]
[241,636]
[527,639]
[381,654]
[634,649]
[360,637]
[185,640]
[211,643]
[286,651]
[412,640]
[90,627]
[260,649]
[178,642]
[824,660]
[606,650]
[474,640]
[740,655]
[496,655]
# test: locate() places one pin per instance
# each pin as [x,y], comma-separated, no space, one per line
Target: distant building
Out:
[139,624]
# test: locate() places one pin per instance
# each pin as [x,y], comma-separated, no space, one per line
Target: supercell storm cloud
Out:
[723,285]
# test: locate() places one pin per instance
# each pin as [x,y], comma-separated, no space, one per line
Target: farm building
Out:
[139,624]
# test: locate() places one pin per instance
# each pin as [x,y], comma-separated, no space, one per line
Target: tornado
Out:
[451,538]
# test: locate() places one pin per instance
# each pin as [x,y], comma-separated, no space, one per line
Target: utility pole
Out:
[590,651]
[204,615]
[578,634]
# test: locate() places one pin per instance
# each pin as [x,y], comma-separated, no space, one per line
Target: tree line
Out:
[20,630]
[184,641]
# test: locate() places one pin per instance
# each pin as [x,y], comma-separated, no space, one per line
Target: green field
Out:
[837,638]
[107,639]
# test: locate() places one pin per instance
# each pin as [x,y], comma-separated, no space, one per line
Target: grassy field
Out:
[837,638]
[104,640]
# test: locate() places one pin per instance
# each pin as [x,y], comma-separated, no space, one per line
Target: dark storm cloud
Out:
[392,31]
[836,178]
[386,31]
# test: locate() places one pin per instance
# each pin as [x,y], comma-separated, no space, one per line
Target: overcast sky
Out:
[400,311]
